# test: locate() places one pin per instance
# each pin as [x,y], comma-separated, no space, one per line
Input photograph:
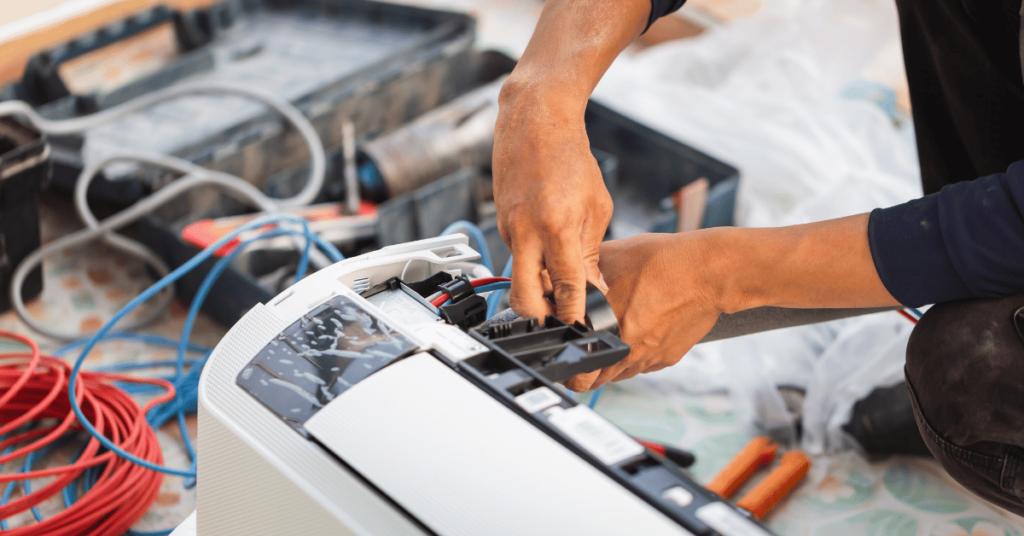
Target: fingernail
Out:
[601,284]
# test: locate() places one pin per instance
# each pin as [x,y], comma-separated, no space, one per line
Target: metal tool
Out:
[453,136]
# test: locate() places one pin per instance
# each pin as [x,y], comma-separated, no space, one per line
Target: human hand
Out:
[552,203]
[660,292]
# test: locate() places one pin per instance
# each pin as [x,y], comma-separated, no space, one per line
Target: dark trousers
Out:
[965,372]
[965,362]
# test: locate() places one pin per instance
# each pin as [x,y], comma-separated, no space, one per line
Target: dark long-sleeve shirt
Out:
[965,239]
[660,8]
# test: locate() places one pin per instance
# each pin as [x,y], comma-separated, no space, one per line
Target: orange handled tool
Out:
[767,493]
[758,453]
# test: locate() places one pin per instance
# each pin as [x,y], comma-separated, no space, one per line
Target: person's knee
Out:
[965,361]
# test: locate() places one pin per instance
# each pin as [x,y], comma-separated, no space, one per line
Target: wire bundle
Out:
[119,470]
[193,176]
[37,416]
[483,285]
[911,314]
[123,456]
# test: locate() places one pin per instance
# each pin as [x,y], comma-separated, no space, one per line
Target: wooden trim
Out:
[15,54]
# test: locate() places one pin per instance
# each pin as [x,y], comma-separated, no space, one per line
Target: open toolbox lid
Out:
[321,55]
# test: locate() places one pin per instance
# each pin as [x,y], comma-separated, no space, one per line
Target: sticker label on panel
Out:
[449,340]
[728,522]
[538,399]
[598,436]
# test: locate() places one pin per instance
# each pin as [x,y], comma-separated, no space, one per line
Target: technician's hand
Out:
[662,298]
[553,207]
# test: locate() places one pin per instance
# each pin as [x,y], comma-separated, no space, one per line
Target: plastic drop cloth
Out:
[766,94]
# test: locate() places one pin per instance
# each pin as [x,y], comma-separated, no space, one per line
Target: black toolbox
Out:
[376,64]
[24,171]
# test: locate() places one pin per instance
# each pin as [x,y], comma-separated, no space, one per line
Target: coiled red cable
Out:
[34,390]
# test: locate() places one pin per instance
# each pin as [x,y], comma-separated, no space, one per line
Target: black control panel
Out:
[319,356]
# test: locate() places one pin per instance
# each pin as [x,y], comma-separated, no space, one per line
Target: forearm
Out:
[819,265]
[573,45]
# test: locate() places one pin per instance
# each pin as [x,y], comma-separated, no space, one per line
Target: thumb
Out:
[581,382]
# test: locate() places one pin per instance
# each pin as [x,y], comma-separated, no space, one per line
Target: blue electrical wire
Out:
[494,299]
[149,293]
[155,340]
[477,235]
[126,367]
[24,428]
[147,338]
[187,384]
[25,484]
[594,397]
[70,492]
[915,312]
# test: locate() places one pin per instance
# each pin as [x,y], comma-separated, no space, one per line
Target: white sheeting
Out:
[764,94]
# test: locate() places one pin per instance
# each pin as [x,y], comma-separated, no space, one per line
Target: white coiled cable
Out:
[193,176]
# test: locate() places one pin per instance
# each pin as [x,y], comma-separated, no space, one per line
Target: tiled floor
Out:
[843,495]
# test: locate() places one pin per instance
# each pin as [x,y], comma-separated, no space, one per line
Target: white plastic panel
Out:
[465,465]
[247,455]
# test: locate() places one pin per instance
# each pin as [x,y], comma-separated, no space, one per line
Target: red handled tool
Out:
[680,457]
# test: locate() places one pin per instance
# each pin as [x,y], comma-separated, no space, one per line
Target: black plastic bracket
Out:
[430,285]
[555,349]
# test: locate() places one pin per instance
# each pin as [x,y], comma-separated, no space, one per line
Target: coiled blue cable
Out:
[3,499]
[26,485]
[186,384]
[150,292]
[189,383]
[155,340]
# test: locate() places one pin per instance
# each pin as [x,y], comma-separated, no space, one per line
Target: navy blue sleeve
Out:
[965,241]
[660,8]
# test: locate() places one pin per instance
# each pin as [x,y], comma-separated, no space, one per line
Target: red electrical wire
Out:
[907,315]
[476,283]
[34,388]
